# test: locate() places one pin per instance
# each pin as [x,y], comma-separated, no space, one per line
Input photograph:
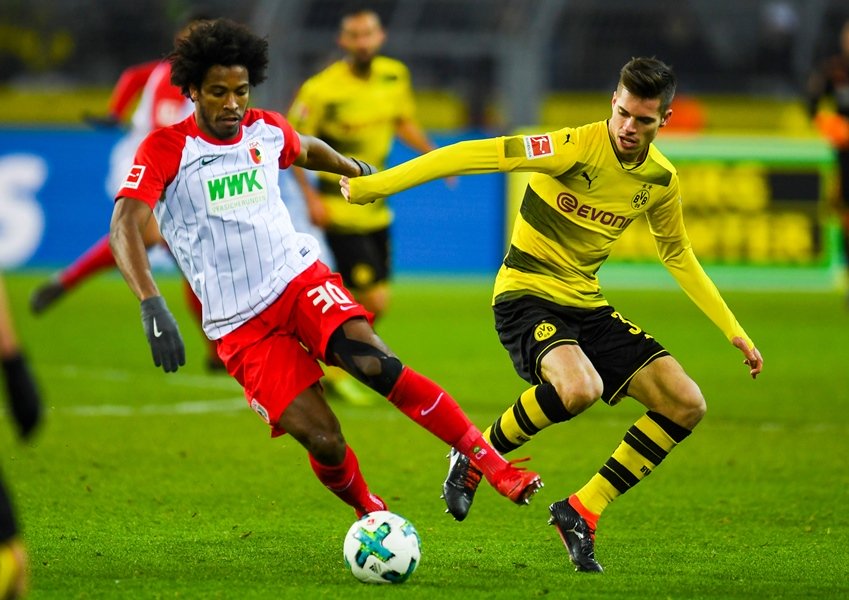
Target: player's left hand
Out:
[23,395]
[163,335]
[753,359]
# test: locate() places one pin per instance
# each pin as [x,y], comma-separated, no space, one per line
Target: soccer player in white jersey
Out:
[273,307]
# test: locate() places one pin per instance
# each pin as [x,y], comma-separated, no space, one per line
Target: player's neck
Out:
[360,69]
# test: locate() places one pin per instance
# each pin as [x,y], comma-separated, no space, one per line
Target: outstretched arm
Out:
[462,158]
[317,155]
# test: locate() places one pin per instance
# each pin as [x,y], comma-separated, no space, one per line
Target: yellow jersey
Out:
[357,117]
[578,202]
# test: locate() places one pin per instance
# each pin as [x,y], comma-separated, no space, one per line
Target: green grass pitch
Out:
[147,485]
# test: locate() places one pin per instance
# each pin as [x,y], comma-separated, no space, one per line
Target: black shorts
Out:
[529,327]
[361,258]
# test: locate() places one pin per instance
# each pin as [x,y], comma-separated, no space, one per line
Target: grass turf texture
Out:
[147,485]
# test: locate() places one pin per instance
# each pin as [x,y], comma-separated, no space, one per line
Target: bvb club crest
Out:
[640,198]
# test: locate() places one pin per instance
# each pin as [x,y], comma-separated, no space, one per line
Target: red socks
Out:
[346,481]
[96,258]
[430,406]
[426,403]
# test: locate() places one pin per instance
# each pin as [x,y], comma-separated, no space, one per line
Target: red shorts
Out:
[275,355]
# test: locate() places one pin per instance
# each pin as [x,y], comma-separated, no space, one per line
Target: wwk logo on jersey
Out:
[238,190]
[537,146]
[134,177]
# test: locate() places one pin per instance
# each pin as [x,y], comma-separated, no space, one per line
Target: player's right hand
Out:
[163,335]
[753,359]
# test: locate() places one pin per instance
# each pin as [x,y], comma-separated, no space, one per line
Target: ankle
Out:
[590,517]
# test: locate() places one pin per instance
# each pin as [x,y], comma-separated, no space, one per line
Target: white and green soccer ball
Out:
[382,547]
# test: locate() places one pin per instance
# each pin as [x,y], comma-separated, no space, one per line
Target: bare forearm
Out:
[317,155]
[128,249]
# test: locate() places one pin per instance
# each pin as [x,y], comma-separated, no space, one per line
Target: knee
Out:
[697,410]
[691,408]
[327,447]
[579,393]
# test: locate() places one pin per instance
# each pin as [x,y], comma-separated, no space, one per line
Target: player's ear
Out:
[193,93]
[665,119]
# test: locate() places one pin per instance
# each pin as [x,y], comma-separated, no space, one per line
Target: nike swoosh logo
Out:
[429,409]
[348,307]
[207,160]
[156,332]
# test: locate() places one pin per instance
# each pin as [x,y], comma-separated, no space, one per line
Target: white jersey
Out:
[219,208]
[160,104]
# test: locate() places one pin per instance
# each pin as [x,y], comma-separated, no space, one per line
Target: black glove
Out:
[365,168]
[163,335]
[23,396]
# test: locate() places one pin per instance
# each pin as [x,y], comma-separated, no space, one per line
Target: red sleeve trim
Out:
[291,141]
[155,166]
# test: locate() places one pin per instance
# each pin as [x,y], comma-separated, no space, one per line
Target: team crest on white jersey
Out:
[134,177]
[256,151]
[537,146]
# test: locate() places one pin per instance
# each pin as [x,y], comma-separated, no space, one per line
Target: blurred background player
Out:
[831,80]
[358,105]
[25,407]
[159,104]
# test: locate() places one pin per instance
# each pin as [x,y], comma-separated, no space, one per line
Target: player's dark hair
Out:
[355,10]
[219,42]
[649,78]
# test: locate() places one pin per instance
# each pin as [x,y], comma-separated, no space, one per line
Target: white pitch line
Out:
[223,382]
[198,407]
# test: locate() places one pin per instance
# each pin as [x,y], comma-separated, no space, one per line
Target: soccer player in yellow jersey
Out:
[358,105]
[587,185]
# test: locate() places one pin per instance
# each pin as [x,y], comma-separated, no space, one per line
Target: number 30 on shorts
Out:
[329,294]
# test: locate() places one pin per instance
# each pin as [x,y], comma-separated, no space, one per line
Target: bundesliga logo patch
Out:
[134,177]
[537,146]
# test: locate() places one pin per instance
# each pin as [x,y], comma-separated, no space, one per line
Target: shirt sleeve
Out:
[155,166]
[305,112]
[542,153]
[291,141]
[666,223]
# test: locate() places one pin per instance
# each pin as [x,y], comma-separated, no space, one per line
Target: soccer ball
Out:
[382,547]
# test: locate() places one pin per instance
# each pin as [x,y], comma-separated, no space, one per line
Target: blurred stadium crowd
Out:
[483,62]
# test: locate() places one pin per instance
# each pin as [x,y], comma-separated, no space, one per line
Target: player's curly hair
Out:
[649,78]
[219,42]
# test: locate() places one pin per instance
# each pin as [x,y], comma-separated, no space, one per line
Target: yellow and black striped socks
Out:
[644,447]
[536,409]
